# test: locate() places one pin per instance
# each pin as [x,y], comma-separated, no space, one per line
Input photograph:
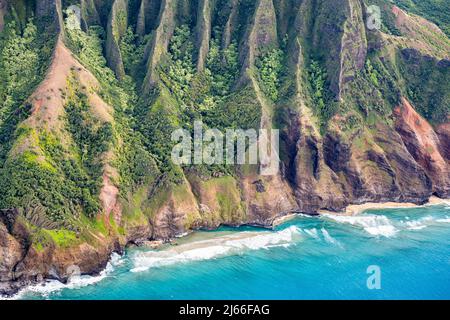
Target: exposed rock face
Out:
[316,185]
[21,264]
[425,146]
[443,132]
[231,22]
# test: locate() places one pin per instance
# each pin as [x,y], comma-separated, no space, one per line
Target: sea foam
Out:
[376,225]
[215,248]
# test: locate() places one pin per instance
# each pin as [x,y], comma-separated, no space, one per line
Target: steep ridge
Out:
[3,8]
[261,35]
[363,116]
[89,14]
[354,45]
[116,28]
[148,14]
[48,104]
[203,32]
[160,41]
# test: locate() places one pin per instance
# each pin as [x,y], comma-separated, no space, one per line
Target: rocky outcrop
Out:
[443,132]
[316,186]
[331,173]
[23,264]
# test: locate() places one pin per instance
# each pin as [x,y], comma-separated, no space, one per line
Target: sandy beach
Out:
[356,209]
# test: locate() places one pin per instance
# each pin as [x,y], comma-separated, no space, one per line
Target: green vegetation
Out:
[18,67]
[270,67]
[186,95]
[371,92]
[323,105]
[436,11]
[223,68]
[88,46]
[134,159]
[92,139]
[132,50]
[56,182]
[180,69]
[426,86]
[62,238]
[63,182]
[23,58]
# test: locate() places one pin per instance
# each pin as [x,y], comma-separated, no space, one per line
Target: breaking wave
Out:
[380,225]
[215,248]
[376,225]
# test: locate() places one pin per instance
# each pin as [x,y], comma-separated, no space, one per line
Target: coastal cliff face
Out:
[86,121]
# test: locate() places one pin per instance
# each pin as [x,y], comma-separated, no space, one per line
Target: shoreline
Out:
[355,209]
[351,210]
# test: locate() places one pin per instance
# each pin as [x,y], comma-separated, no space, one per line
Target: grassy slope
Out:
[436,11]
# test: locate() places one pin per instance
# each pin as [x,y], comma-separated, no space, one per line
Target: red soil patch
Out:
[422,135]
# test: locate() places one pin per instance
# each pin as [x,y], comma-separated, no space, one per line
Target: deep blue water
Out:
[305,258]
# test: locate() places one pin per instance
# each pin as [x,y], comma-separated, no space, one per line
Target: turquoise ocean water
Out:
[305,258]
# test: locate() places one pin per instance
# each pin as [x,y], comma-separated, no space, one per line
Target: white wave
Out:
[75,282]
[328,238]
[312,233]
[424,222]
[214,248]
[380,225]
[415,225]
[376,225]
[419,224]
[444,220]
